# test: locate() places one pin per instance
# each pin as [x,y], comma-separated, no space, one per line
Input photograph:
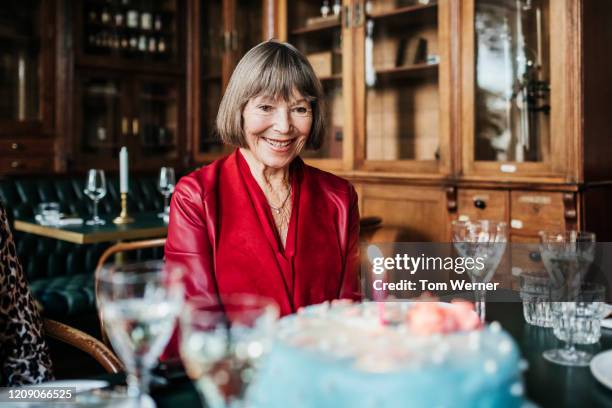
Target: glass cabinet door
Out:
[512,81]
[20,66]
[101,121]
[155,126]
[402,57]
[315,28]
[228,29]
[211,74]
[129,30]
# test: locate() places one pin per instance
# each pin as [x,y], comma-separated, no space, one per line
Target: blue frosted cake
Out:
[403,355]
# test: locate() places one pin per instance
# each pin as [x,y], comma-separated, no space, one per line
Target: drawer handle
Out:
[535,256]
[480,204]
[15,146]
[15,164]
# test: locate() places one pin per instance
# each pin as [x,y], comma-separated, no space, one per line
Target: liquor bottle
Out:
[105,16]
[337,7]
[145,20]
[142,43]
[158,23]
[152,44]
[132,19]
[325,8]
[119,18]
[161,45]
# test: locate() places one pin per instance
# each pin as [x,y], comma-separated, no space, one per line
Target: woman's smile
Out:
[279,145]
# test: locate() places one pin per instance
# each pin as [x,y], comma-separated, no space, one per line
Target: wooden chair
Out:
[84,342]
[116,249]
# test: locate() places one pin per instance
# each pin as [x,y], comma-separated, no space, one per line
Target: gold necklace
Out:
[278,209]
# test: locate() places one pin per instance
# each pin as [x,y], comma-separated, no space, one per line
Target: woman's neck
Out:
[268,178]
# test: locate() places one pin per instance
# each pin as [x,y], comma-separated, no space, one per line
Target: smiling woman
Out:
[261,221]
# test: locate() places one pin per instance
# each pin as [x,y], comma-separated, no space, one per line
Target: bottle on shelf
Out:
[145,20]
[157,24]
[132,18]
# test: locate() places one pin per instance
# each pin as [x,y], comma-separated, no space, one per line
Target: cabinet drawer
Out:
[26,147]
[525,255]
[482,204]
[533,211]
[23,166]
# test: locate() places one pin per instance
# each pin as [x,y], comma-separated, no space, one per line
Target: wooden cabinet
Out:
[223,31]
[482,97]
[123,80]
[143,113]
[26,87]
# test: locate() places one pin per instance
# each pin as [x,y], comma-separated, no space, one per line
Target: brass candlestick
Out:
[123,217]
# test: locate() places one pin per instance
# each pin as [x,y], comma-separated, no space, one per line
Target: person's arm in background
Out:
[24,357]
[350,288]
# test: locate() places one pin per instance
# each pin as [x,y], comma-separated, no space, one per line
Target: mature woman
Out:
[24,358]
[260,221]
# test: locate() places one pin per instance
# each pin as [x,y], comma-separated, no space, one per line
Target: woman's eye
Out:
[301,110]
[265,108]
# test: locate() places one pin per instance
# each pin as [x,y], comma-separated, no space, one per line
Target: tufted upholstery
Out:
[61,273]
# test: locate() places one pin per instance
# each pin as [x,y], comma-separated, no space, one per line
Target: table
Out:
[547,384]
[145,225]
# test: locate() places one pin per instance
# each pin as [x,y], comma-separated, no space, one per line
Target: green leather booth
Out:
[61,273]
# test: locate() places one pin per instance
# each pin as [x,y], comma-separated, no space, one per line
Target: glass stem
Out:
[138,383]
[570,349]
[166,205]
[95,210]
[479,296]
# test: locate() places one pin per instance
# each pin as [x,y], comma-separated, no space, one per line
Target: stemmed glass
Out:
[95,189]
[567,257]
[481,239]
[222,345]
[166,187]
[139,304]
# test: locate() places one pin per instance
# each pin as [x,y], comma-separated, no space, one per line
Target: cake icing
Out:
[397,355]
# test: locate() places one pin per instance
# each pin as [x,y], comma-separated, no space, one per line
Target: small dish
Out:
[601,367]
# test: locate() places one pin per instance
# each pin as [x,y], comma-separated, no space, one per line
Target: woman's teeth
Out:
[278,143]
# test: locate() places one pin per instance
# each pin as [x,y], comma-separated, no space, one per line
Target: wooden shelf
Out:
[410,71]
[319,28]
[425,14]
[329,78]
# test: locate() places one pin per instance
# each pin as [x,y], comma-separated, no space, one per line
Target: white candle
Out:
[123,170]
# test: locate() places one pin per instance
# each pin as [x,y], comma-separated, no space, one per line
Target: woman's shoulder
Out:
[202,180]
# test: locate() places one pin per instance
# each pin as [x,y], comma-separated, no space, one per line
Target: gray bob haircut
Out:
[276,70]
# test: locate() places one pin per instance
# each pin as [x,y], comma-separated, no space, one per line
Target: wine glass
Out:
[166,187]
[222,345]
[567,256]
[483,239]
[138,304]
[95,189]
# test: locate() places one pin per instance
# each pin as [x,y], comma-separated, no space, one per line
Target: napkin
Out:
[70,221]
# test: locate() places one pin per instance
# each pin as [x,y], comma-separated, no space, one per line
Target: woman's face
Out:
[276,130]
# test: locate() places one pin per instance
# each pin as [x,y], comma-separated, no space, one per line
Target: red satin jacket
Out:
[217,233]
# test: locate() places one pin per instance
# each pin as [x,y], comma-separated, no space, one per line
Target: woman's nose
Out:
[282,121]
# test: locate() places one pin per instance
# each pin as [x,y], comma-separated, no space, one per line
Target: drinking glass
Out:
[48,213]
[222,345]
[95,189]
[166,187]
[535,294]
[577,322]
[482,239]
[139,304]
[567,256]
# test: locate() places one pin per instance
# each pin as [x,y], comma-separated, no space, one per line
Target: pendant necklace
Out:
[278,209]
